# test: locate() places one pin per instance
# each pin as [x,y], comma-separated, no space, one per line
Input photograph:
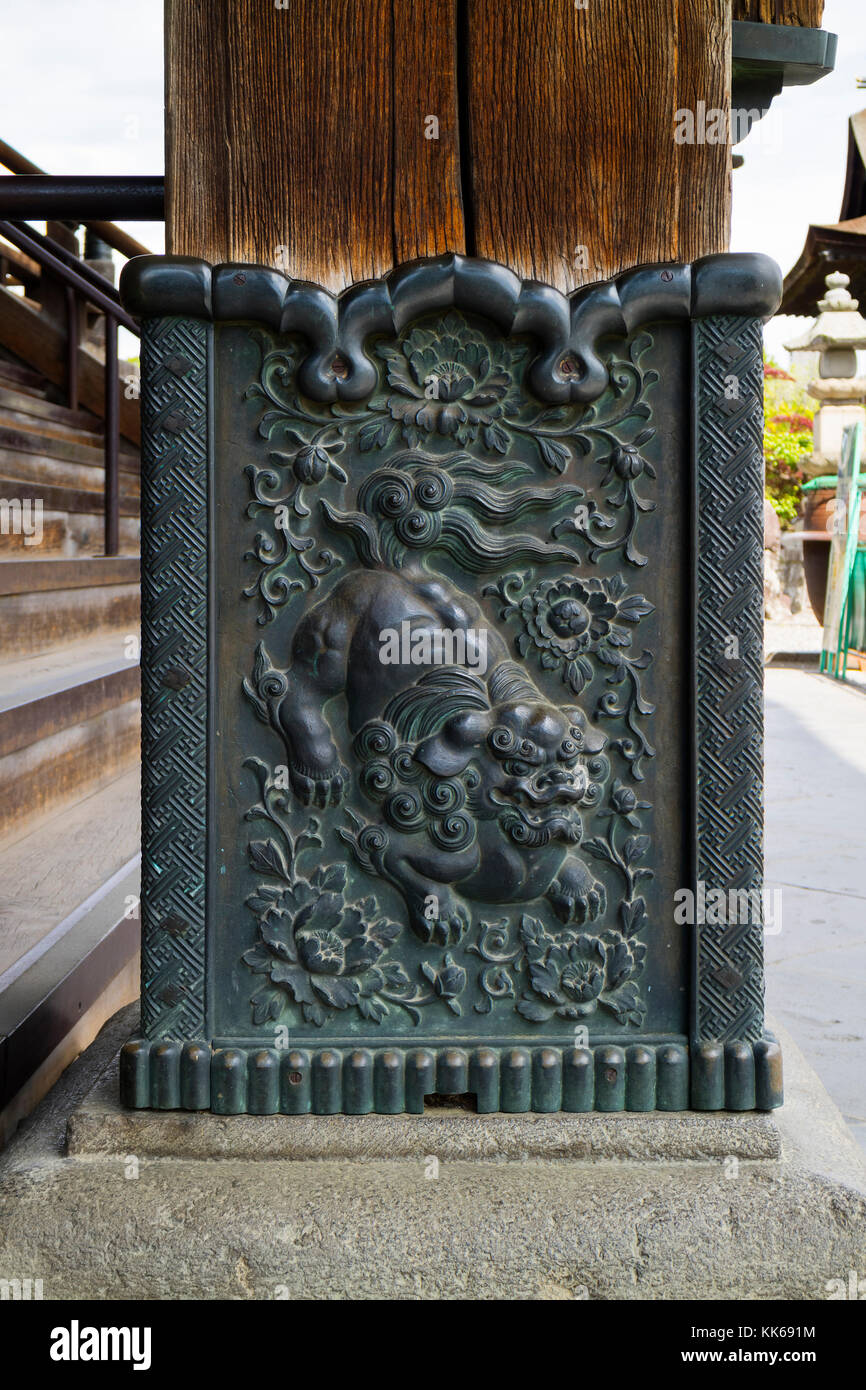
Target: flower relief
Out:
[315,949]
[575,975]
[452,381]
[576,625]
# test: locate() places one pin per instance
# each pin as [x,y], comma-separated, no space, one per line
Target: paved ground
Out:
[799,638]
[816,854]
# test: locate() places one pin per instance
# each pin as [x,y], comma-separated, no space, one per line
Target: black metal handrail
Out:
[53,249]
[66,196]
[83,282]
[18,163]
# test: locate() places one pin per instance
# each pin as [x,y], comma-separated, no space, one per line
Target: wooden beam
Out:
[703,221]
[808,13]
[575,172]
[87,572]
[299,136]
[427,207]
[280,135]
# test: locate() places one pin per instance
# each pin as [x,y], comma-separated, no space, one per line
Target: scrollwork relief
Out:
[447,384]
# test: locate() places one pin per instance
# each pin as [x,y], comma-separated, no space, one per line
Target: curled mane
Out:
[508,683]
[419,504]
[421,710]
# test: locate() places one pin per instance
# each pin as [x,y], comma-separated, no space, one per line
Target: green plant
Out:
[788,420]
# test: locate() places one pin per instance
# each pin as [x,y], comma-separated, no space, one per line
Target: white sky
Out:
[81,88]
[82,92]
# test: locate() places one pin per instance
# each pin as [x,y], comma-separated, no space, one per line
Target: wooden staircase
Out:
[69,733]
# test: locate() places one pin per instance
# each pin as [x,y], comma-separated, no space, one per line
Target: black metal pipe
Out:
[112,440]
[69,276]
[73,198]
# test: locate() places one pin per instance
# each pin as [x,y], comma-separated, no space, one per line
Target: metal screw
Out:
[667,275]
[240,278]
[295,1078]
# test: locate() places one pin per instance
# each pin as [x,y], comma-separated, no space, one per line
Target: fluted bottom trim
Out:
[192,1075]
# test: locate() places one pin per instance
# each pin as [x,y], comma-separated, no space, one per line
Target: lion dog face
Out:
[527,764]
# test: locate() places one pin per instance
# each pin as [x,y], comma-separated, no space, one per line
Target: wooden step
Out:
[34,339]
[69,721]
[26,436]
[71,535]
[13,399]
[32,576]
[64,499]
[49,429]
[39,468]
[21,377]
[62,767]
[41,695]
[34,622]
[60,862]
[55,540]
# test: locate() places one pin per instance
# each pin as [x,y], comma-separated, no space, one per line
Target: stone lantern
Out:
[836,334]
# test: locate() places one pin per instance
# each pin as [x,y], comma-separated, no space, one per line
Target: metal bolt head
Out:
[175,678]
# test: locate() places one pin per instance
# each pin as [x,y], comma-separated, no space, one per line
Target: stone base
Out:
[450,1205]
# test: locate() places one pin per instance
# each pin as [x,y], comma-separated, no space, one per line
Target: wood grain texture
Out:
[284,142]
[296,136]
[427,210]
[703,74]
[808,13]
[575,171]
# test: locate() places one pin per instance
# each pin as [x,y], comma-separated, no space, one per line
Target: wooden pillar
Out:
[335,138]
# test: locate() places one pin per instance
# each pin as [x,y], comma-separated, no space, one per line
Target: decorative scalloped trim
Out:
[573,325]
[639,1077]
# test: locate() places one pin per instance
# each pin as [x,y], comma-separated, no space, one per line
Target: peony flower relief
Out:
[451,381]
[570,619]
[573,975]
[321,953]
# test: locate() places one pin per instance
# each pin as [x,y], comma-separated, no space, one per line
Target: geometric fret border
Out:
[174,655]
[730,663]
[727,1062]
[728,994]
